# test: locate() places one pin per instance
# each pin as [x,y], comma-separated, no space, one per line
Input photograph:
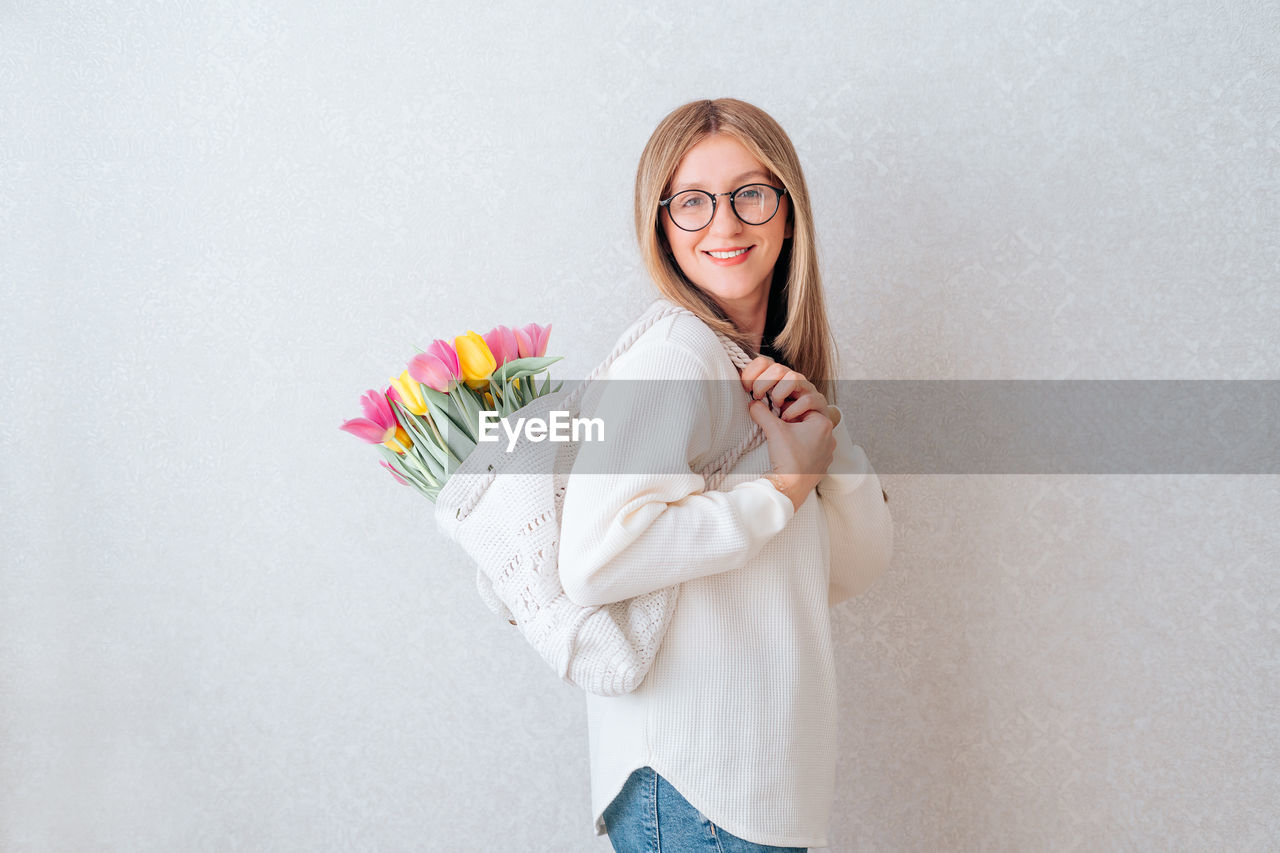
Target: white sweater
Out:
[738,711]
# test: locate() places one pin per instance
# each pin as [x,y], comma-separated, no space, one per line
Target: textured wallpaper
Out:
[223,627]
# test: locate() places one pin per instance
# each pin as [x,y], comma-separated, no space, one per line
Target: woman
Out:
[730,742]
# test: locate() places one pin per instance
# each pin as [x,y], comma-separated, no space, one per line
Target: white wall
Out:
[223,627]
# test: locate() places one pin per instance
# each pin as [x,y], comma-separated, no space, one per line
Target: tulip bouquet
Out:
[426,422]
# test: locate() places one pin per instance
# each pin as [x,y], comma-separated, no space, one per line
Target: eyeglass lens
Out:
[755,204]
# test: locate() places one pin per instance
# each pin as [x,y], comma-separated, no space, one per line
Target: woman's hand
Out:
[766,379]
[801,444]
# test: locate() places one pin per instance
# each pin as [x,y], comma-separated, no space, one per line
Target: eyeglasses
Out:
[754,204]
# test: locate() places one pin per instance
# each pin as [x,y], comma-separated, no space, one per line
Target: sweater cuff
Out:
[849,466]
[762,500]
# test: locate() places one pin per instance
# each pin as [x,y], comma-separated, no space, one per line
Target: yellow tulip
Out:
[475,359]
[410,393]
[401,443]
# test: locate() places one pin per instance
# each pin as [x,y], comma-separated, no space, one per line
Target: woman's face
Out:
[720,164]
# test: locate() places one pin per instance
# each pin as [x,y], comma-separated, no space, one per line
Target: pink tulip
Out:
[533,339]
[437,367]
[503,344]
[379,423]
[431,371]
[443,350]
[395,474]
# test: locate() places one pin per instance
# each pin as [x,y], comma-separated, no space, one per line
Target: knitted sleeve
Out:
[636,516]
[859,527]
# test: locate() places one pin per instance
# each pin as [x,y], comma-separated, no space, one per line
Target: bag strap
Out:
[623,345]
[714,472]
[717,471]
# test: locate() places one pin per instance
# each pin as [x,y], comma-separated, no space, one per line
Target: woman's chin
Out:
[733,291]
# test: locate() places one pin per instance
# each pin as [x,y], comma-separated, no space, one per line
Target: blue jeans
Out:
[650,816]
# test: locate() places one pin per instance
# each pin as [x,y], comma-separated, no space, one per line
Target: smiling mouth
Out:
[733,253]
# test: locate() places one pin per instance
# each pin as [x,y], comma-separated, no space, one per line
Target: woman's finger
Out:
[765,382]
[752,371]
[796,409]
[796,386]
[791,386]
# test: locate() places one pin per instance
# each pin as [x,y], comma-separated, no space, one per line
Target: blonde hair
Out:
[805,342]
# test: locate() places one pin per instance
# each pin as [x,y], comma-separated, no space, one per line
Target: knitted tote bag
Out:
[504,509]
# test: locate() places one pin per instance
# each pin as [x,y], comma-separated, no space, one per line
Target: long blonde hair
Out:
[805,341]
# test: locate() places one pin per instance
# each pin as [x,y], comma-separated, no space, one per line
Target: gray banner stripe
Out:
[1085,426]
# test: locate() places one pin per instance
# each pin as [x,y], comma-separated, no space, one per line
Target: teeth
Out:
[723,255]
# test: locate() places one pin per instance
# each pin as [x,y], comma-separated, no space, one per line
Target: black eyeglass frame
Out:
[733,196]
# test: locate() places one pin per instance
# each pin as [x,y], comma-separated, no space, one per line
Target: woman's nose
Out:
[724,220]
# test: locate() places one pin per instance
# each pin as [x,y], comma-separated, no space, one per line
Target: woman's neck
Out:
[749,317]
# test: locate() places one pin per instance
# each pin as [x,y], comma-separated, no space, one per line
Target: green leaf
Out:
[465,411]
[516,374]
[425,458]
[462,440]
[429,455]
[451,434]
[455,442]
[522,366]
[422,444]
[394,460]
[509,400]
[438,445]
[441,407]
[408,420]
[460,447]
